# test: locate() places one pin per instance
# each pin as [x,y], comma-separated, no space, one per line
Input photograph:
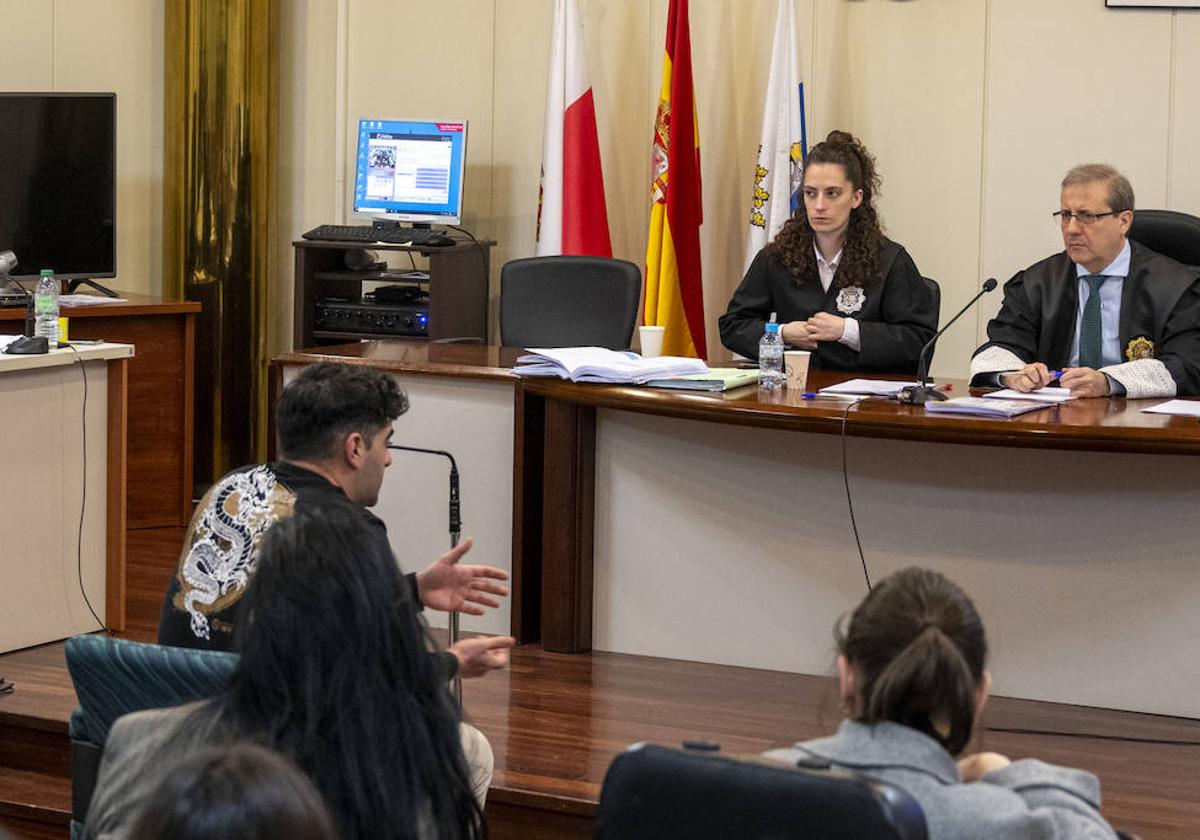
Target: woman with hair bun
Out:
[912,679]
[839,287]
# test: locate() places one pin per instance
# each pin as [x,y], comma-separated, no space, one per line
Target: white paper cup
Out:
[795,362]
[652,339]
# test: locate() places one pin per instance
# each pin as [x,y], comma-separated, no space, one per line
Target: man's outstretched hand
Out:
[451,586]
[480,654]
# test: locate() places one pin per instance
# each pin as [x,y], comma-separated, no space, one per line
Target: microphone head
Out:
[8,261]
[989,284]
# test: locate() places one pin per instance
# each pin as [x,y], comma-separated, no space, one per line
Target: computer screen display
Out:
[411,170]
[58,183]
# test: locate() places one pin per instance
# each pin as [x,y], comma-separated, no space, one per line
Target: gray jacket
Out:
[1027,799]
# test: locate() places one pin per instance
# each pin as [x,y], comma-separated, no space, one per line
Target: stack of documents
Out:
[984,407]
[1045,395]
[866,387]
[597,364]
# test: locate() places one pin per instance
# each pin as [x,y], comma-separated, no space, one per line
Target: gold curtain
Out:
[218,180]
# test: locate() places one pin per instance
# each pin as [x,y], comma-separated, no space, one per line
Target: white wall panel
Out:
[907,79]
[1183,184]
[27,60]
[119,47]
[1068,82]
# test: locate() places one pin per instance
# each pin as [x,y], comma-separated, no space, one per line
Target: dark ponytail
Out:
[917,648]
[793,245]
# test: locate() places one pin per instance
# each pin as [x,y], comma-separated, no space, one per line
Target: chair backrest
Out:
[569,302]
[114,677]
[662,793]
[1172,234]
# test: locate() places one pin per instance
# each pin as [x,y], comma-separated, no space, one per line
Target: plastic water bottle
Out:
[45,307]
[770,358]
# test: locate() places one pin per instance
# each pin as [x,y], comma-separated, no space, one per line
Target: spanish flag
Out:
[674,295]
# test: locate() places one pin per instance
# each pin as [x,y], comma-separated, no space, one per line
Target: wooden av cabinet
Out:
[457,286]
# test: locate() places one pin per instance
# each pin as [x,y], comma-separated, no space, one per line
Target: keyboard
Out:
[370,233]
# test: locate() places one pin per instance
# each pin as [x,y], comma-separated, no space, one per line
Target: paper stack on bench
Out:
[597,364]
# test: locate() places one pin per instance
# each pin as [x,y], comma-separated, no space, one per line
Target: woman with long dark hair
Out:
[337,673]
[911,672]
[838,286]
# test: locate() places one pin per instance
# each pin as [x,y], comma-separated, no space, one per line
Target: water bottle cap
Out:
[47,272]
[772,327]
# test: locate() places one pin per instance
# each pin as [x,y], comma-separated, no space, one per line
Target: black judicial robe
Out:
[897,317]
[1160,315]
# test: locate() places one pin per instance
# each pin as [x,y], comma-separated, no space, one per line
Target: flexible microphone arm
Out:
[455,535]
[921,393]
[455,504]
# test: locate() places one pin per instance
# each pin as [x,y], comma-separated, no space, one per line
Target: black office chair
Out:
[114,677]
[658,793]
[1172,234]
[569,302]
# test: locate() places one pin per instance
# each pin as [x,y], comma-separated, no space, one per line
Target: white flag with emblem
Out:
[783,146]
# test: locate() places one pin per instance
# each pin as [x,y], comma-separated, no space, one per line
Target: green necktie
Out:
[1090,330]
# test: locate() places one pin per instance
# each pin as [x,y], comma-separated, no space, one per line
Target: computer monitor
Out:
[411,170]
[58,189]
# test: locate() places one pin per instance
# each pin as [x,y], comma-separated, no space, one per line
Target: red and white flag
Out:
[572,216]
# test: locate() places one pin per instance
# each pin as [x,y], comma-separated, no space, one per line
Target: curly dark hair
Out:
[793,245]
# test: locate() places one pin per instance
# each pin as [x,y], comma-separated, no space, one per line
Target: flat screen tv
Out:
[58,191]
[411,170]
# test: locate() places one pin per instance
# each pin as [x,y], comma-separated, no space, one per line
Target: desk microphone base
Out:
[919,395]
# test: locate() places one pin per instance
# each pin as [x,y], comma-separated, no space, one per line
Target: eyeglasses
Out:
[1085,218]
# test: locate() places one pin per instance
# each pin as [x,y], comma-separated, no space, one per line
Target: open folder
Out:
[597,364]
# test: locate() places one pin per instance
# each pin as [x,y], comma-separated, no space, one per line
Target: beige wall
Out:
[964,102]
[110,45]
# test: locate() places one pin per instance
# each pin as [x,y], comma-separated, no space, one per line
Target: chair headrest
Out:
[1170,233]
[658,792]
[114,677]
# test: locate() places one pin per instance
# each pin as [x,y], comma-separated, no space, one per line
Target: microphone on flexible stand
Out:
[923,392]
[455,536]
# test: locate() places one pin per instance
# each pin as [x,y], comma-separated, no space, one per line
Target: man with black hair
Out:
[334,424]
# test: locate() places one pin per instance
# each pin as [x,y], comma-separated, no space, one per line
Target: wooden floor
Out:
[555,721]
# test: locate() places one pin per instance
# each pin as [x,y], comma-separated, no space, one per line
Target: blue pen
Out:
[1056,373]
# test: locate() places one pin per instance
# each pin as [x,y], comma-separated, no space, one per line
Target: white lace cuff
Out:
[850,335]
[995,359]
[1143,378]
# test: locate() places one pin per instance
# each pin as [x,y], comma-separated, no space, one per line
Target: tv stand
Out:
[73,285]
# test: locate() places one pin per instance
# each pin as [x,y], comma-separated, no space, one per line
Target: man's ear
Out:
[1126,219]
[353,449]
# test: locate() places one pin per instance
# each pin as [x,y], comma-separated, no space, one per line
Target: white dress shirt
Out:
[826,270]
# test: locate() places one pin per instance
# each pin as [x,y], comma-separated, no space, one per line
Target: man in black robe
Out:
[1106,317]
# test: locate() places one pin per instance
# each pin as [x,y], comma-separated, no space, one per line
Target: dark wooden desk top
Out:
[132,305]
[1104,425]
[460,361]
